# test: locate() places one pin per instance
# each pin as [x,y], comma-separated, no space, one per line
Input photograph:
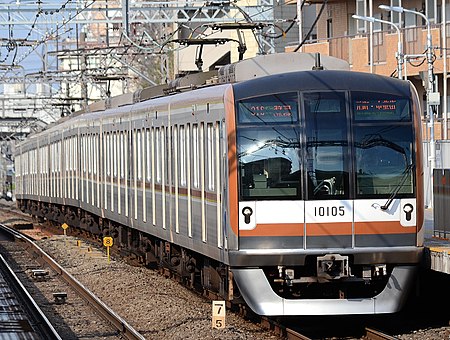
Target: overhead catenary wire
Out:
[312,26]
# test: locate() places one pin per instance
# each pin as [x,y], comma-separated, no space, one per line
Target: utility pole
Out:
[125,17]
[84,90]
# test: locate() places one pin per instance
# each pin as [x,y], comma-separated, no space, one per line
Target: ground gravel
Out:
[157,307]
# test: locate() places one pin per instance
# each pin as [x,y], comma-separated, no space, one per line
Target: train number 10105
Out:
[329,211]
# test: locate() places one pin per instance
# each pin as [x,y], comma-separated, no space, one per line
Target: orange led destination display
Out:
[254,112]
[380,109]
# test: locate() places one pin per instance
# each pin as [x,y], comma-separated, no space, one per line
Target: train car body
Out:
[299,191]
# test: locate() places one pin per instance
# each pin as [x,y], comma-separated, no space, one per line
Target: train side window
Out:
[126,158]
[66,167]
[167,156]
[89,153]
[41,172]
[143,156]
[148,157]
[31,172]
[139,154]
[153,177]
[93,160]
[114,157]
[158,155]
[105,168]
[123,155]
[74,165]
[83,153]
[119,159]
[195,155]
[182,155]
[163,157]
[77,165]
[18,174]
[95,153]
[111,169]
[210,155]
[53,155]
[67,179]
[47,174]
[326,145]
[202,163]
[98,162]
[176,155]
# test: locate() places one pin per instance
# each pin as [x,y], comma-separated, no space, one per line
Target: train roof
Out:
[259,66]
[255,76]
[321,81]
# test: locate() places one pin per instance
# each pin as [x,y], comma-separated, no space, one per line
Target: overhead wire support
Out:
[212,41]
[53,22]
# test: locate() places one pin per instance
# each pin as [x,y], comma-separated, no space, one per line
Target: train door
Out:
[328,208]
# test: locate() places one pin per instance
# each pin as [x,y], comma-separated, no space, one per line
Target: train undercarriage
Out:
[190,268]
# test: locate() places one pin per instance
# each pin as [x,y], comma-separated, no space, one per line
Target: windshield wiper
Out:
[398,187]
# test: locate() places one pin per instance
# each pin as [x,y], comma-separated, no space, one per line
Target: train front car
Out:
[325,192]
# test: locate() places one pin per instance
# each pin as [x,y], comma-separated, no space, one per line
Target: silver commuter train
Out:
[300,191]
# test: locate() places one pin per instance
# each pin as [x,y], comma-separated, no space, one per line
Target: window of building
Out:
[329,28]
[361,9]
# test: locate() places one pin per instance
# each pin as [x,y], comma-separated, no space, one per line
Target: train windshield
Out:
[269,148]
[383,139]
[314,151]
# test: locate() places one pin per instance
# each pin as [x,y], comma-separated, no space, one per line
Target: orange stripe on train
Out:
[327,229]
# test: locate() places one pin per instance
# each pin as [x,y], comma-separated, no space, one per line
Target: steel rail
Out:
[373,334]
[123,327]
[293,335]
[41,324]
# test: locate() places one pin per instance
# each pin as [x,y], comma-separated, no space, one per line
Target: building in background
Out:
[372,47]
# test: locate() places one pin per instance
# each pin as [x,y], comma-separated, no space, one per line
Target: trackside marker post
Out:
[108,242]
[65,226]
[218,314]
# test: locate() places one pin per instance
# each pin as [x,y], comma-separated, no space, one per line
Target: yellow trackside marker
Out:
[107,242]
[65,226]
[218,314]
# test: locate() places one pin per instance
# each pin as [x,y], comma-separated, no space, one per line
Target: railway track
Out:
[21,316]
[372,334]
[119,325]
